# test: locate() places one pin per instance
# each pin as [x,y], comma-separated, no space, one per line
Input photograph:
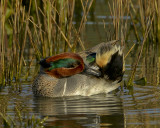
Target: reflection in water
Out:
[142,107]
[142,102]
[131,107]
[95,111]
[137,106]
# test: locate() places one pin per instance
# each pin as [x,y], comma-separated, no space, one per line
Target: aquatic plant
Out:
[22,122]
[32,30]
[142,18]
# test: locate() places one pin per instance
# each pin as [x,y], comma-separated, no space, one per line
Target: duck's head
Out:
[64,65]
[110,60]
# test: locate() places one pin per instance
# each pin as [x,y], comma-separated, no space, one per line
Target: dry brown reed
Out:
[44,27]
[142,18]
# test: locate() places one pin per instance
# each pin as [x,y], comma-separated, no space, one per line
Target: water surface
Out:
[135,106]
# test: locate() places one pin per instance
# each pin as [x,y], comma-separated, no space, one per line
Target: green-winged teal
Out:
[98,70]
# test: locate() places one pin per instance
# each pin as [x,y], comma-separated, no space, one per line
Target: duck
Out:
[97,70]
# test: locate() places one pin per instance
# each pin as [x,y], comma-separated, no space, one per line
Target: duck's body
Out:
[85,82]
[75,85]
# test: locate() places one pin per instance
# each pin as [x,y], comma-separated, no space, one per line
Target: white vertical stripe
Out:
[65,84]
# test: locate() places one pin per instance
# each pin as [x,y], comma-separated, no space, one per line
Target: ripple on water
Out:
[138,107]
[142,106]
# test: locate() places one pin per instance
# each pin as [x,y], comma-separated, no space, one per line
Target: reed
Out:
[130,82]
[43,27]
[22,121]
[30,30]
[142,18]
[118,10]
[48,27]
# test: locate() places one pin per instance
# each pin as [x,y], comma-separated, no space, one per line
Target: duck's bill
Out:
[92,71]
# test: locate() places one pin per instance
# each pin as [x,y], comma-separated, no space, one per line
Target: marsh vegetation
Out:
[31,30]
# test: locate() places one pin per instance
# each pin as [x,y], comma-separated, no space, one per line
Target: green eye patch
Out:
[91,58]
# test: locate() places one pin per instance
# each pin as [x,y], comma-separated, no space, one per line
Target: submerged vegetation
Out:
[31,30]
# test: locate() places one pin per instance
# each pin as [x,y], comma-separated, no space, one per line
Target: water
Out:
[91,111]
[137,106]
